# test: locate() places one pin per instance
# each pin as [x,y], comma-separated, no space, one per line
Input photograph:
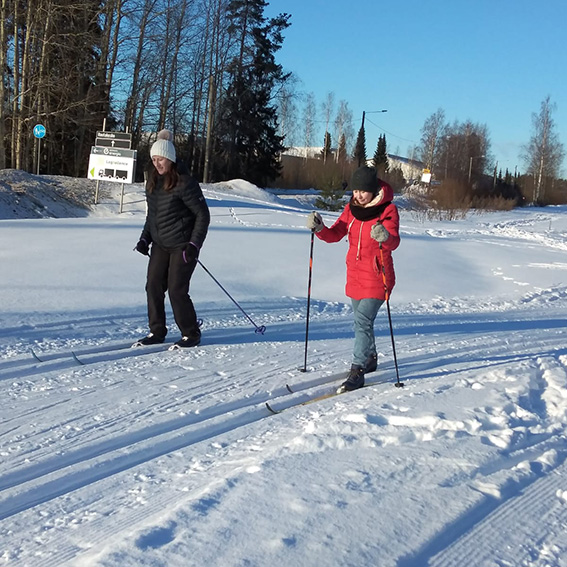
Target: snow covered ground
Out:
[112,456]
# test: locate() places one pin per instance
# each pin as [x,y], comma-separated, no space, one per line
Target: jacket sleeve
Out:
[391,222]
[337,231]
[146,232]
[195,202]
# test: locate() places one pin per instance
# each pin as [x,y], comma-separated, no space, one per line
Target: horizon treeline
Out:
[207,70]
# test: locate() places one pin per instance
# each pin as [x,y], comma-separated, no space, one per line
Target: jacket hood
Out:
[384,195]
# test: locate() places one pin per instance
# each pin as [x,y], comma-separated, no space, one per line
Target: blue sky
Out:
[489,61]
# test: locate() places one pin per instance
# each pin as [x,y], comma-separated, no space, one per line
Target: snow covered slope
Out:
[112,456]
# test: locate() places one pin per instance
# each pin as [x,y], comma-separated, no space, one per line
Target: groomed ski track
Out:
[101,446]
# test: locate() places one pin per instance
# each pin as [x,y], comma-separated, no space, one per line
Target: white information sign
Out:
[112,164]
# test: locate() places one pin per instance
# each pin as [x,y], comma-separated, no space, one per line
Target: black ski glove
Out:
[142,247]
[190,253]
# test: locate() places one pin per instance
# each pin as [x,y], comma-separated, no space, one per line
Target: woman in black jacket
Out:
[176,225]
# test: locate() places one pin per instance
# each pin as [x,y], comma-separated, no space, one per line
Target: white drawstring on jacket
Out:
[359,237]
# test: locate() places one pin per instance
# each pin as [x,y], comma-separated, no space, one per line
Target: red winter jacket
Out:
[363,260]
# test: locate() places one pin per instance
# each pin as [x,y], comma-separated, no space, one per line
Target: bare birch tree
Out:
[309,119]
[327,108]
[344,129]
[544,152]
[432,134]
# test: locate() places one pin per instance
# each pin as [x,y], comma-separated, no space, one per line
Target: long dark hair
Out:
[170,178]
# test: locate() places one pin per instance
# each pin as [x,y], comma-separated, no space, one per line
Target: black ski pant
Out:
[167,271]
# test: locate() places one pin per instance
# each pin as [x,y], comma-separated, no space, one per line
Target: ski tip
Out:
[271,409]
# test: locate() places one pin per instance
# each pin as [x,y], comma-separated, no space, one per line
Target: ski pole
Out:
[262,329]
[398,384]
[304,369]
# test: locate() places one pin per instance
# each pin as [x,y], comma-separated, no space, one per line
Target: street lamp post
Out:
[365,112]
[470,165]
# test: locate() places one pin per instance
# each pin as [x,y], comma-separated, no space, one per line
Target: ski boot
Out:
[355,380]
[371,363]
[151,339]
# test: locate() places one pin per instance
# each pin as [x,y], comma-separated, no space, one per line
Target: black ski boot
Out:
[371,363]
[189,341]
[355,380]
[151,339]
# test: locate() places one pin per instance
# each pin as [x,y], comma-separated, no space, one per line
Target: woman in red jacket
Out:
[371,222]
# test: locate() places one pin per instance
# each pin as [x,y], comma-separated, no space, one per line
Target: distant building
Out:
[411,168]
[307,152]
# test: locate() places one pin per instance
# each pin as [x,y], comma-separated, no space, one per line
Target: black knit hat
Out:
[364,179]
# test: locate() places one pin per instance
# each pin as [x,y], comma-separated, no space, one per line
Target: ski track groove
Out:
[477,539]
[149,447]
[458,541]
[152,513]
[30,366]
[483,538]
[121,442]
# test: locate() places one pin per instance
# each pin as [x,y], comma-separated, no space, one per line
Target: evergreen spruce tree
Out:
[326,151]
[360,148]
[332,190]
[342,150]
[380,159]
[247,130]
[395,177]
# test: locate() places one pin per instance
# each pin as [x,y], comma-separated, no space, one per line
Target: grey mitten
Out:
[379,233]
[314,222]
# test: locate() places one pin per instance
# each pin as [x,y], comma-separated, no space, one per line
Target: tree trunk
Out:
[3,66]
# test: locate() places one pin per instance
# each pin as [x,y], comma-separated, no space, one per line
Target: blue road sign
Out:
[39,130]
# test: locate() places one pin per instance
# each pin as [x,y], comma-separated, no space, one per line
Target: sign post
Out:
[39,132]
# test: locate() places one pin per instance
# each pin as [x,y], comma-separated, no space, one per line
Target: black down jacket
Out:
[176,217]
